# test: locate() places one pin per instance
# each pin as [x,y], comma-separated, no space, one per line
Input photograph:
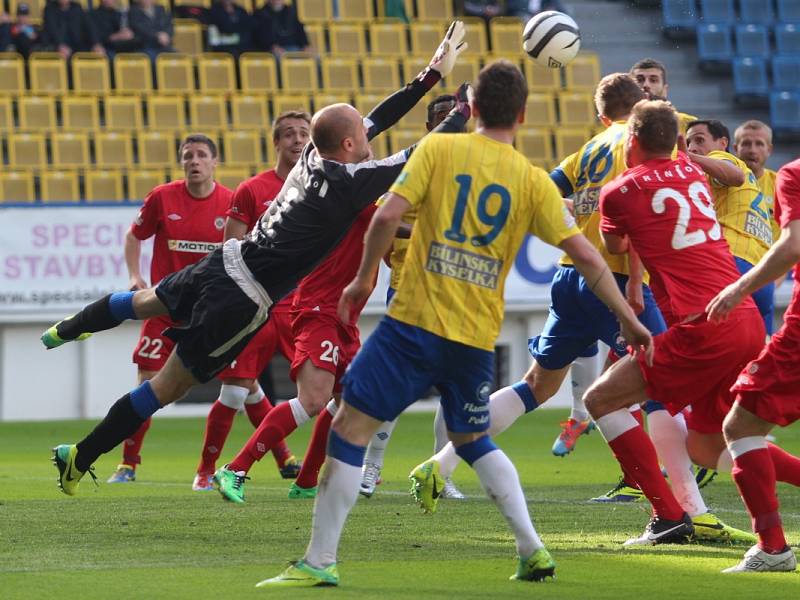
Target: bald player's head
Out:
[337,132]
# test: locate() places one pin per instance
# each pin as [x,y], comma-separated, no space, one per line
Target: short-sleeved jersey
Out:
[665,208]
[185,228]
[252,197]
[766,183]
[787,198]
[583,174]
[743,212]
[684,120]
[476,199]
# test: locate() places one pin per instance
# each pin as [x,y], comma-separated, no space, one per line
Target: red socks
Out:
[218,426]
[256,413]
[628,478]
[132,447]
[315,453]
[279,423]
[754,474]
[787,466]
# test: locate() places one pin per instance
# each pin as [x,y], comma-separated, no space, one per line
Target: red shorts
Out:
[696,363]
[276,334]
[154,347]
[323,339]
[769,387]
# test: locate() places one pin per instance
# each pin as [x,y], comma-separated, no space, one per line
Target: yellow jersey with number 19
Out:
[476,198]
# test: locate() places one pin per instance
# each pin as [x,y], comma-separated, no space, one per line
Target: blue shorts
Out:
[400,362]
[764,297]
[578,319]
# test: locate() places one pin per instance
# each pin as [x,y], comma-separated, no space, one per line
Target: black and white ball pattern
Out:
[552,39]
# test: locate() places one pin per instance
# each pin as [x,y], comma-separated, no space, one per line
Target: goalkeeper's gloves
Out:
[444,59]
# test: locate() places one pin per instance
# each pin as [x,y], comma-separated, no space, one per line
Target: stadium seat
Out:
[475,36]
[141,182]
[90,73]
[416,117]
[322,100]
[156,149]
[298,73]
[12,73]
[347,39]
[231,177]
[787,38]
[113,149]
[203,3]
[188,38]
[756,11]
[541,79]
[403,138]
[284,102]
[6,114]
[80,112]
[104,186]
[506,35]
[314,10]
[37,113]
[583,73]
[59,186]
[48,73]
[388,38]
[316,37]
[789,11]
[535,143]
[208,112]
[249,111]
[133,73]
[425,37]
[753,41]
[380,145]
[576,108]
[259,72]
[175,73]
[242,148]
[70,150]
[123,113]
[786,73]
[26,150]
[17,186]
[718,11]
[413,66]
[679,16]
[714,44]
[339,74]
[380,75]
[465,69]
[569,141]
[217,72]
[356,10]
[540,109]
[434,10]
[784,110]
[366,102]
[166,112]
[750,80]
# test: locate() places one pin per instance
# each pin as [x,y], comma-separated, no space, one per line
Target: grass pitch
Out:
[155,538]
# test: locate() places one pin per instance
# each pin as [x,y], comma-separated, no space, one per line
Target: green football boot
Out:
[536,567]
[51,339]
[709,528]
[68,476]
[426,485]
[296,492]
[301,574]
[230,484]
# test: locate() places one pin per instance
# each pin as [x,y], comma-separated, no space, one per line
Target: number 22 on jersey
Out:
[701,200]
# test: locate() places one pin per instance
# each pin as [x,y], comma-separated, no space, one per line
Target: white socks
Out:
[725,461]
[331,407]
[378,443]
[256,396]
[500,481]
[440,438]
[298,412]
[338,491]
[233,396]
[614,424]
[583,373]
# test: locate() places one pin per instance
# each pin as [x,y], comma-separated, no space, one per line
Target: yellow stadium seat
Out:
[380,75]
[259,72]
[506,33]
[323,100]
[298,73]
[242,148]
[269,146]
[435,10]
[188,38]
[37,112]
[425,37]
[339,74]
[380,145]
[176,173]
[141,182]
[12,73]
[208,112]
[175,73]
[465,69]
[156,149]
[415,119]
[576,109]
[217,72]
[282,103]
[6,114]
[231,177]
[70,150]
[540,110]
[124,113]
[356,10]
[569,141]
[314,10]
[203,3]
[475,36]
[583,73]
[48,73]
[113,149]
[347,39]
[166,112]
[541,79]
[249,111]
[413,66]
[90,73]
[535,144]
[403,138]
[133,73]
[80,112]
[388,39]
[27,150]
[104,186]
[59,186]
[366,102]
[316,37]
[36,8]
[17,186]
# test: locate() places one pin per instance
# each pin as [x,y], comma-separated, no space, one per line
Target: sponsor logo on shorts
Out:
[192,246]
[464,266]
[479,411]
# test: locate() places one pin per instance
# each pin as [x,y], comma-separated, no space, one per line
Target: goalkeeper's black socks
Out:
[105,313]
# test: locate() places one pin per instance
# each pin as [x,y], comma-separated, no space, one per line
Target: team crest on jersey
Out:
[219,223]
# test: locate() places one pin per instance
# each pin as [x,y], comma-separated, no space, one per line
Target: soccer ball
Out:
[552,39]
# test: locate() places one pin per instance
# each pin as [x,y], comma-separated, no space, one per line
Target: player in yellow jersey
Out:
[476,198]
[742,208]
[651,75]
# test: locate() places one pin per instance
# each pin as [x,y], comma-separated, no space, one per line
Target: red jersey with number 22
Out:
[185,228]
[665,208]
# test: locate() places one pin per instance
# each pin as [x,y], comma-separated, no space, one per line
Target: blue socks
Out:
[120,304]
[474,450]
[342,450]
[524,392]
[144,401]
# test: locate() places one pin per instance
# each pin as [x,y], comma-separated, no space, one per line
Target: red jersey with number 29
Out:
[665,208]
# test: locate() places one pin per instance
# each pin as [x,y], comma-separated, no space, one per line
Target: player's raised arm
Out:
[723,171]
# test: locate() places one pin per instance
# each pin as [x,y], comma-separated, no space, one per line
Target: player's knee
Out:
[595,401]
[314,401]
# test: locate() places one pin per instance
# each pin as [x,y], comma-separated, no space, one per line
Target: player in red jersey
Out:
[768,389]
[663,208]
[186,217]
[240,388]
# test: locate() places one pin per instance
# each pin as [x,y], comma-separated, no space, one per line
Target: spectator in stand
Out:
[525,9]
[152,25]
[230,28]
[68,29]
[112,29]
[486,9]
[5,32]
[278,29]
[24,34]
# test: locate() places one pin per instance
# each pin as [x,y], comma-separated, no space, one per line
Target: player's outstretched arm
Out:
[723,171]
[781,257]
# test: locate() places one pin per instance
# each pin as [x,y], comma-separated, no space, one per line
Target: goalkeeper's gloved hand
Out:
[444,59]
[463,100]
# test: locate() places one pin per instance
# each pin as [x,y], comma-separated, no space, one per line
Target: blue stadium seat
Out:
[718,11]
[784,110]
[752,40]
[714,43]
[750,81]
[679,15]
[789,11]
[756,11]
[787,38]
[786,73]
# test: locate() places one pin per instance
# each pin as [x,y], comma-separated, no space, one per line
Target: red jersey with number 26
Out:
[185,228]
[665,208]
